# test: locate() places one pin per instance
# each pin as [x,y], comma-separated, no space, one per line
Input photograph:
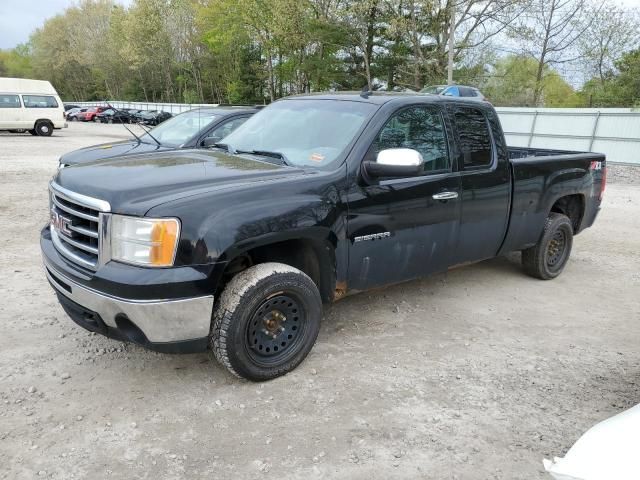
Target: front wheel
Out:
[547,258]
[266,321]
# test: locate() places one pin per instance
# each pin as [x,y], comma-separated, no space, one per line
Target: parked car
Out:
[113,116]
[30,105]
[72,114]
[69,106]
[90,114]
[455,91]
[312,198]
[155,118]
[140,113]
[198,128]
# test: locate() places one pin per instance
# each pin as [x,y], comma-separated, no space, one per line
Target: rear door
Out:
[10,111]
[403,228]
[486,186]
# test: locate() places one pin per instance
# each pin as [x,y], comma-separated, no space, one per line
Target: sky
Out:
[19,18]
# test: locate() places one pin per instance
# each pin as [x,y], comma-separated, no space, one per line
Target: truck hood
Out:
[108,150]
[134,184]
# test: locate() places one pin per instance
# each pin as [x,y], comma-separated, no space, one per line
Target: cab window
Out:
[474,138]
[226,128]
[9,101]
[421,129]
[39,101]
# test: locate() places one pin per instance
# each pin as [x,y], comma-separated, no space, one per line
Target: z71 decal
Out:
[373,236]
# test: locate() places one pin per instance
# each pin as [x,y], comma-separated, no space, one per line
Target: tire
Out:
[43,128]
[282,300]
[546,259]
[74,119]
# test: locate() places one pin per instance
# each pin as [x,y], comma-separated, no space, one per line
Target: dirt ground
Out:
[474,374]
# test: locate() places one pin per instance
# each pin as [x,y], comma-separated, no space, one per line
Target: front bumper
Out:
[169,325]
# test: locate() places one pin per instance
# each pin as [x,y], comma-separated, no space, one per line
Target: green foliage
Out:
[513,83]
[616,90]
[255,51]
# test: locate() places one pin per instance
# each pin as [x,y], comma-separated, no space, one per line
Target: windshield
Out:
[307,132]
[179,129]
[435,89]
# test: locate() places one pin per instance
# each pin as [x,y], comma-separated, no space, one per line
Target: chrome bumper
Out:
[161,321]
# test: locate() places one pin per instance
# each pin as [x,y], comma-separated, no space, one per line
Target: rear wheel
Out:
[547,258]
[43,128]
[266,321]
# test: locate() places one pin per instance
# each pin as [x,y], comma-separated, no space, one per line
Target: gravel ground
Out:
[478,373]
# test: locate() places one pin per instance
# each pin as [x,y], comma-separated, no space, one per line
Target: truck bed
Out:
[541,176]
[523,152]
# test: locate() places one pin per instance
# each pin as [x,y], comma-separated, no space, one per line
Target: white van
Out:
[30,105]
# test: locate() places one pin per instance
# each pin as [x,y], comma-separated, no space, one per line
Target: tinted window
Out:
[467,92]
[419,128]
[226,128]
[474,137]
[452,92]
[39,101]
[9,101]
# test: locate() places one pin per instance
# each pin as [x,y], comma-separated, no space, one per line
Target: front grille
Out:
[77,224]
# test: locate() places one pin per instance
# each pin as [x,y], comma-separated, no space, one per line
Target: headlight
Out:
[151,242]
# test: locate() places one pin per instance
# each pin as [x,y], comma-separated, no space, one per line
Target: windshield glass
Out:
[179,129]
[435,89]
[307,132]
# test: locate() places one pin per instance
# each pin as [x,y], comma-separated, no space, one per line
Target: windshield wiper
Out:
[123,124]
[148,132]
[268,153]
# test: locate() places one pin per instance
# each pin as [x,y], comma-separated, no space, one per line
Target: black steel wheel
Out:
[276,328]
[547,258]
[266,321]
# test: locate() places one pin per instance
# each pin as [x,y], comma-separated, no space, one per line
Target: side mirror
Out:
[396,162]
[210,141]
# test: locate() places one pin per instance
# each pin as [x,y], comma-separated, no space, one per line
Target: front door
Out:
[403,228]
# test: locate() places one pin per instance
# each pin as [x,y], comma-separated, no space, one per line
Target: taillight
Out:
[594,167]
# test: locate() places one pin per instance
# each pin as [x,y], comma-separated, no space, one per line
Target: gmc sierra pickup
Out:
[237,247]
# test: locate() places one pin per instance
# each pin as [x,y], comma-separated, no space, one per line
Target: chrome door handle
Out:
[445,196]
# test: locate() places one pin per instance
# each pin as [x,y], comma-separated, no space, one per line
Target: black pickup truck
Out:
[237,248]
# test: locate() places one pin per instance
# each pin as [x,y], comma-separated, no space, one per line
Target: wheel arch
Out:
[311,251]
[573,206]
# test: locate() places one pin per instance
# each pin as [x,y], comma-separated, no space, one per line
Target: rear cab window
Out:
[9,101]
[474,138]
[39,101]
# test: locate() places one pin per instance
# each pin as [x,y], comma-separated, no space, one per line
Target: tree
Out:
[513,83]
[549,33]
[612,32]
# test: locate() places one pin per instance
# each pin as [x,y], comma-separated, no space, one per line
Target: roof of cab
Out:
[227,109]
[377,98]
[26,85]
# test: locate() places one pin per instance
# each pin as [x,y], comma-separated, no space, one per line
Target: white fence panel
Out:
[612,131]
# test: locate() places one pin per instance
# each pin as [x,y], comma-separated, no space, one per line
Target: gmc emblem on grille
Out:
[61,223]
